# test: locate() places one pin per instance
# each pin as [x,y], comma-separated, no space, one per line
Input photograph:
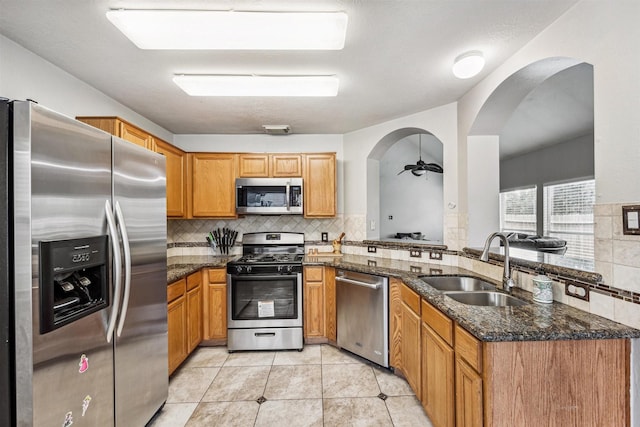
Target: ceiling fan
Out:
[421,168]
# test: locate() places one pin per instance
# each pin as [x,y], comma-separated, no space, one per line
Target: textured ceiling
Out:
[396,61]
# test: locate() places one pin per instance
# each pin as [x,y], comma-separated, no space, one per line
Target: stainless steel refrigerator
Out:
[83,314]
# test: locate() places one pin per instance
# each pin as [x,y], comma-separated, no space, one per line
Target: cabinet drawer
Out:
[313,274]
[410,297]
[194,280]
[218,275]
[176,290]
[469,348]
[438,321]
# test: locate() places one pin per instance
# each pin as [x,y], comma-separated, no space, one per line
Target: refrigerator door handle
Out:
[117,266]
[127,267]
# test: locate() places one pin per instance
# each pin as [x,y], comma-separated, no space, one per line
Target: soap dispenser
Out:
[542,288]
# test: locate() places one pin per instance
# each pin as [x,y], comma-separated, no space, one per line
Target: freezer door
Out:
[62,177]
[141,355]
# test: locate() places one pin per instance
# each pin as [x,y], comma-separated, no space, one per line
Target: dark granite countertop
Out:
[531,322]
[181,266]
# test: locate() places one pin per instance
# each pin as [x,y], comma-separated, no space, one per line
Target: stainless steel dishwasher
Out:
[363,315]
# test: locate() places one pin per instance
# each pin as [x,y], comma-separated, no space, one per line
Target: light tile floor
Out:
[319,386]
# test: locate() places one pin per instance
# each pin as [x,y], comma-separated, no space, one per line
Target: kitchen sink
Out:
[457,283]
[486,298]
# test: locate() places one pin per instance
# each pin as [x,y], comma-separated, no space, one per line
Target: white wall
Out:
[440,121]
[560,162]
[24,75]
[484,186]
[262,143]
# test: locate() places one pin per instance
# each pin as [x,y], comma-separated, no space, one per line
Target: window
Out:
[568,215]
[518,211]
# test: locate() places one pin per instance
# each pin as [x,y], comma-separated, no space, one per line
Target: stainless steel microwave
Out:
[269,196]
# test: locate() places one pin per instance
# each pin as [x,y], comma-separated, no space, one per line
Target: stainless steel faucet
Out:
[507,281]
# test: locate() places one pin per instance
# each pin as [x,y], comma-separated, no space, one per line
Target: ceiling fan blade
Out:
[409,167]
[433,167]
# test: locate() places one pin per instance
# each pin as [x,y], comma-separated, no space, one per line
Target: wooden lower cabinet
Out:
[319,304]
[395,323]
[410,332]
[215,305]
[177,324]
[313,303]
[194,311]
[469,399]
[438,393]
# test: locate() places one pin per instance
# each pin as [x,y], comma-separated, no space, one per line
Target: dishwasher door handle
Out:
[359,283]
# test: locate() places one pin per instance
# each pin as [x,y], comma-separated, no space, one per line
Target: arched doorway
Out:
[533,134]
[405,204]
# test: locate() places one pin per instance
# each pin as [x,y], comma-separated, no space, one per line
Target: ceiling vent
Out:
[277,129]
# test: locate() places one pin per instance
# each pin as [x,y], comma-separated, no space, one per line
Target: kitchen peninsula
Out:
[573,365]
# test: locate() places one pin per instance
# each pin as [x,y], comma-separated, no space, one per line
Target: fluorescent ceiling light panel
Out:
[204,29]
[249,85]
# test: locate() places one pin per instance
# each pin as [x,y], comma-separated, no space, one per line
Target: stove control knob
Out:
[289,268]
[239,268]
[248,269]
[279,268]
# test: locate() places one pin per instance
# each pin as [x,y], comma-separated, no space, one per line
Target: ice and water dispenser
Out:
[73,280]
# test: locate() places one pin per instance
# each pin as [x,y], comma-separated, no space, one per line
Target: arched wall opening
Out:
[401,205]
[561,91]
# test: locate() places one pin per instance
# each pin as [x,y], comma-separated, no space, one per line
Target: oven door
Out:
[258,301]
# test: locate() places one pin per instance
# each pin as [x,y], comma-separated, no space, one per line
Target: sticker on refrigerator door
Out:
[84,364]
[266,309]
[85,404]
[68,419]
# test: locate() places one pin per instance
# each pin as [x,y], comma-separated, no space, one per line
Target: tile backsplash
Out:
[195,230]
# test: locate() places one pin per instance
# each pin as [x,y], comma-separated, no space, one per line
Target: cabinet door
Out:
[411,348]
[176,178]
[215,305]
[137,136]
[213,185]
[286,165]
[313,302]
[320,185]
[395,324]
[468,396]
[253,165]
[177,325]
[438,380]
[194,318]
[330,304]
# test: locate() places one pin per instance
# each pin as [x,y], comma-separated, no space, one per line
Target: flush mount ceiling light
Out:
[277,129]
[206,29]
[468,64]
[254,85]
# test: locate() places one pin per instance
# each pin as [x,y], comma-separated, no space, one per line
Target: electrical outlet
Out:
[435,255]
[415,253]
[371,249]
[415,269]
[390,217]
[325,236]
[577,290]
[371,263]
[435,271]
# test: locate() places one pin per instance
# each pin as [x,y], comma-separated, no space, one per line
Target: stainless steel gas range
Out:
[264,302]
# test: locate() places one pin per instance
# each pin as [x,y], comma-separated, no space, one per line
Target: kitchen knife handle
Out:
[117,266]
[127,267]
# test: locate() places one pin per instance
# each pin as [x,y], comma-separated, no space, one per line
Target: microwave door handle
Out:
[287,195]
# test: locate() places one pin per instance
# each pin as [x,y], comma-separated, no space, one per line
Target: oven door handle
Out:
[359,283]
[262,277]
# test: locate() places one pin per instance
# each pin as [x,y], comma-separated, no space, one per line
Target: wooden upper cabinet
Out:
[265,165]
[286,165]
[253,165]
[122,129]
[176,161]
[213,185]
[319,185]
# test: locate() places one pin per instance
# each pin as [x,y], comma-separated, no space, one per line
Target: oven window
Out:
[255,298]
